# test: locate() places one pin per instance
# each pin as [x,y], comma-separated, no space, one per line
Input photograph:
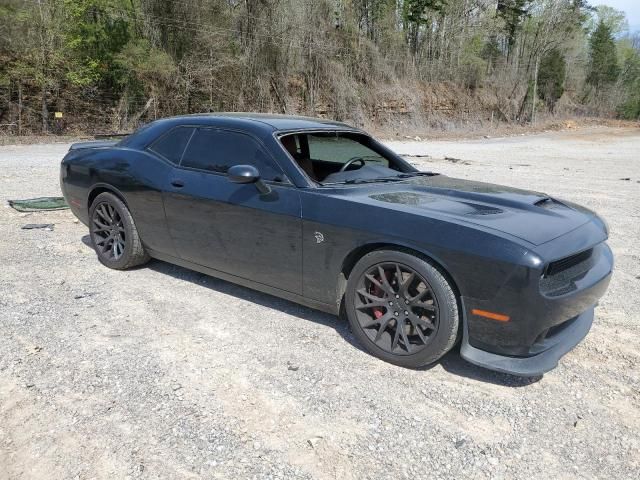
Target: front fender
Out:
[478,262]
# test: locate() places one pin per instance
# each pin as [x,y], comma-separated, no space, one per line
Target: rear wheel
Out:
[401,308]
[114,235]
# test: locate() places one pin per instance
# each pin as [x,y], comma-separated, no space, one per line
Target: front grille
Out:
[566,263]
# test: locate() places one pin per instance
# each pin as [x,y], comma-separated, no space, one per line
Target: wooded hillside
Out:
[109,65]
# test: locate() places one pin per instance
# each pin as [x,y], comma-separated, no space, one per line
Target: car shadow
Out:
[451,362]
[339,324]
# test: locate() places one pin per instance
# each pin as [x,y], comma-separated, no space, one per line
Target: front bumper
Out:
[542,326]
[551,350]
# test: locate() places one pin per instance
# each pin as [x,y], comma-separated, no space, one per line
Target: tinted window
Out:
[217,150]
[172,144]
[341,149]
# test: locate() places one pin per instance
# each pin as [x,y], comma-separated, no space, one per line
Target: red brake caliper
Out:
[378,292]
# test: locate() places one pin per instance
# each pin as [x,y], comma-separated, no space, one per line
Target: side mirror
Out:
[243,174]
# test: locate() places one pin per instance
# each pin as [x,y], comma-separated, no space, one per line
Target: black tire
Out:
[423,322]
[113,233]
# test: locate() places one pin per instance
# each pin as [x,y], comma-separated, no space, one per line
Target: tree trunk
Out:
[45,111]
[535,92]
[19,107]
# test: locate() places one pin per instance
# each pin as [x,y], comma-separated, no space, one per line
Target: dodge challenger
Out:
[322,214]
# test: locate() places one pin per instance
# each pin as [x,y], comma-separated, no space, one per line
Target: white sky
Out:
[630,7]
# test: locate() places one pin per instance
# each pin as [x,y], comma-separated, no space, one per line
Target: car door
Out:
[231,227]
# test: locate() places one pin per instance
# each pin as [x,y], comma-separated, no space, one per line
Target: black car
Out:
[322,214]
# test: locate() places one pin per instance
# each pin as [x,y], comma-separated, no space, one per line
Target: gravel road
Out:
[160,372]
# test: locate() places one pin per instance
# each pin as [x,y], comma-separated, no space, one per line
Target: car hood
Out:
[531,216]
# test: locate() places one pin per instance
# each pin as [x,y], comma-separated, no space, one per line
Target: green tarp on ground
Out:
[39,204]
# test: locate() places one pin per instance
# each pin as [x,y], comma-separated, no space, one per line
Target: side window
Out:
[217,150]
[171,145]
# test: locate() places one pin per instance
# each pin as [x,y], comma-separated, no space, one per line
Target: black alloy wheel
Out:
[402,307]
[114,234]
[396,308]
[109,235]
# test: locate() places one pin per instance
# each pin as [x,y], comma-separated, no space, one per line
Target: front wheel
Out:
[113,233]
[401,308]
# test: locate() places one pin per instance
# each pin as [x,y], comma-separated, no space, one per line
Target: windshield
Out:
[342,157]
[341,149]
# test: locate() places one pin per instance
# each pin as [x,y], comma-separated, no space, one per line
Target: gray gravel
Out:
[160,372]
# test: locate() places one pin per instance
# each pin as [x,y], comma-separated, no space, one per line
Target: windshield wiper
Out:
[395,178]
[417,174]
[371,180]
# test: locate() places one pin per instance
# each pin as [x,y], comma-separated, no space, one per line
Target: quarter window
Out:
[218,150]
[172,145]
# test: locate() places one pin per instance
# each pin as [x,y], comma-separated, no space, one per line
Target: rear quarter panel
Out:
[137,177]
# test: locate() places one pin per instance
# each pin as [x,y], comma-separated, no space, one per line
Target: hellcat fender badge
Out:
[319,237]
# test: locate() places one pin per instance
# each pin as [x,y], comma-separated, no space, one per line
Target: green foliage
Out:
[603,65]
[551,77]
[630,79]
[129,61]
[491,49]
[145,64]
[96,32]
[512,12]
[418,11]
[473,64]
[616,20]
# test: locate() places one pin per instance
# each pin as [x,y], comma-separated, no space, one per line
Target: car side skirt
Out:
[244,282]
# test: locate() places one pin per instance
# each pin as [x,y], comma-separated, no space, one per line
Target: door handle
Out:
[177,183]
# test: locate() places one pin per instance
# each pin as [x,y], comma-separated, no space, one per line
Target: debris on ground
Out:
[313,441]
[35,226]
[84,295]
[39,204]
[457,160]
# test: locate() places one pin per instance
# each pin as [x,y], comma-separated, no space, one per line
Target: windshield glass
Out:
[341,149]
[342,157]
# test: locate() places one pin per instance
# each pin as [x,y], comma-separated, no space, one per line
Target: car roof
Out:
[270,121]
[259,124]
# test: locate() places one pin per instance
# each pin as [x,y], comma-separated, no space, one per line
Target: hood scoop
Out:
[482,210]
[438,203]
[549,203]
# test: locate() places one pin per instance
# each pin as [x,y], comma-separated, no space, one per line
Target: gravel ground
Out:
[160,372]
